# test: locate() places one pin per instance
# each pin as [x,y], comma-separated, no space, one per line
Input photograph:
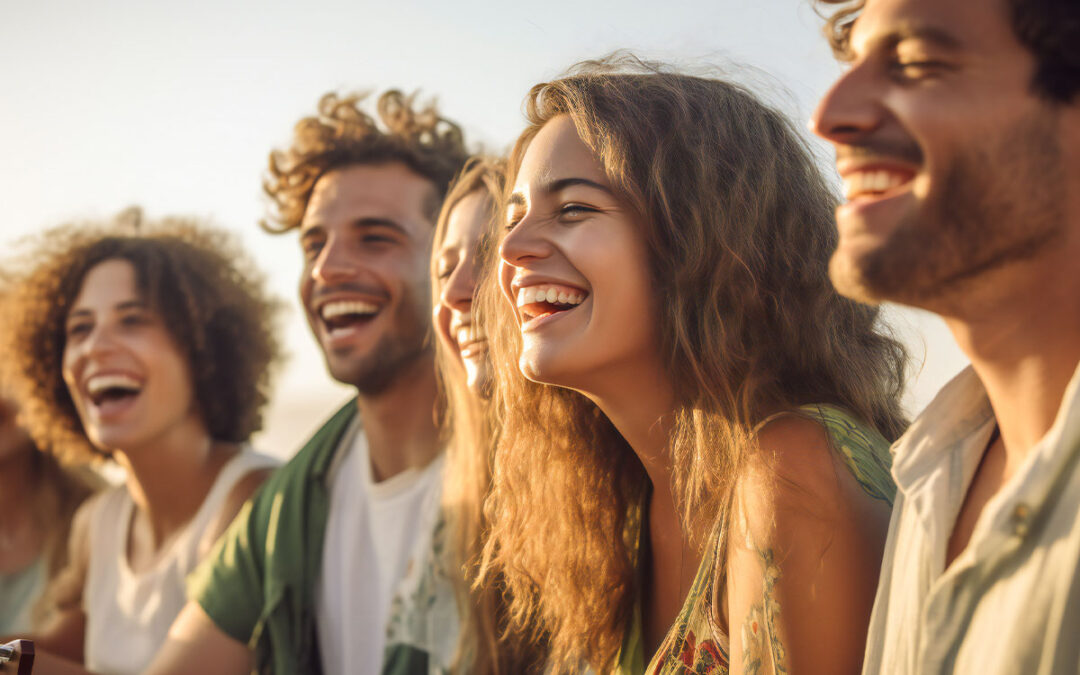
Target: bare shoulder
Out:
[241,492]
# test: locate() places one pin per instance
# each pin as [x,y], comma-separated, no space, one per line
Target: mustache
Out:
[880,148]
[359,289]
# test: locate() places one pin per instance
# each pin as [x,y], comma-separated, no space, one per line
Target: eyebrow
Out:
[560,184]
[911,31]
[309,231]
[127,304]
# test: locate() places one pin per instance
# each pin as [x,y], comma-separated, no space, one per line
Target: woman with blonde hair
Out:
[443,592]
[150,344]
[693,471]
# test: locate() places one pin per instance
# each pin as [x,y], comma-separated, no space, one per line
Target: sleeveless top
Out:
[695,645]
[18,593]
[128,615]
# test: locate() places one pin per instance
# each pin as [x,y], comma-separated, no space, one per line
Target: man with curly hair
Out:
[303,580]
[957,134]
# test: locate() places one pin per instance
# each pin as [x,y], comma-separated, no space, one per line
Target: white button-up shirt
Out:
[1010,602]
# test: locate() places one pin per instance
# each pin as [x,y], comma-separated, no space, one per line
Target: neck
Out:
[1022,335]
[399,422]
[169,478]
[642,413]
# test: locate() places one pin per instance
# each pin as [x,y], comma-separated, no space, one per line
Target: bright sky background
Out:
[174,106]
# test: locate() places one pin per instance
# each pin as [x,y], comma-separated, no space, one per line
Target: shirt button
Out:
[1020,516]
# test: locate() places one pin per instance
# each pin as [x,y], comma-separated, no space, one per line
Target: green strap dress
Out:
[694,644]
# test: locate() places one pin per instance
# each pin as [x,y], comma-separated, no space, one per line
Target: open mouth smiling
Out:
[109,390]
[542,301]
[471,339]
[876,182]
[343,316]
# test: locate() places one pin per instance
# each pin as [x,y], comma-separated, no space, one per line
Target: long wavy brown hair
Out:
[341,134]
[208,292]
[470,432]
[739,225]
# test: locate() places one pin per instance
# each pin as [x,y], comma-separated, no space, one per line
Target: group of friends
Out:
[625,402]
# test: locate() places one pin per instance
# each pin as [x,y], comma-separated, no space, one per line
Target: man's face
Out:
[952,165]
[366,238]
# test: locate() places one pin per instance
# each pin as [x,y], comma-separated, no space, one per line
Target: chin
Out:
[848,277]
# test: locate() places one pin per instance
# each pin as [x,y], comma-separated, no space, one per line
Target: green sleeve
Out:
[228,583]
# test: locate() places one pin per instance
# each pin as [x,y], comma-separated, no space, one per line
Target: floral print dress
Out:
[695,645]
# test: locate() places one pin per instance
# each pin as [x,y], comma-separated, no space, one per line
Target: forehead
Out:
[558,152]
[968,23]
[468,219]
[389,191]
[106,283]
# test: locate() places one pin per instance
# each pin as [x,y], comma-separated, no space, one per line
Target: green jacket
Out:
[258,584]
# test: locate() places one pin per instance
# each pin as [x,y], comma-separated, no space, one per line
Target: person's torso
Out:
[1010,601]
[695,643]
[128,614]
[371,532]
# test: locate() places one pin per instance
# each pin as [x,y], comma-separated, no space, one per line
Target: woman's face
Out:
[130,382]
[575,268]
[455,271]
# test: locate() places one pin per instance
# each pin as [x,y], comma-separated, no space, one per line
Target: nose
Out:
[334,263]
[457,291]
[523,243]
[850,109]
[97,343]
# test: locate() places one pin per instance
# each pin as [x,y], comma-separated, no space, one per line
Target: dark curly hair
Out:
[1050,29]
[208,293]
[342,134]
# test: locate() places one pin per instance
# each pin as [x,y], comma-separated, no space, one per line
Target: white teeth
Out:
[547,293]
[471,333]
[100,383]
[332,310]
[861,182]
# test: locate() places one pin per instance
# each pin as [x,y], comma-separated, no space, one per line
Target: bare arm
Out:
[195,643]
[803,558]
[64,628]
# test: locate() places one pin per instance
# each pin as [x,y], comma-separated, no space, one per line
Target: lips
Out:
[343,317]
[539,301]
[873,183]
[112,393]
[471,339]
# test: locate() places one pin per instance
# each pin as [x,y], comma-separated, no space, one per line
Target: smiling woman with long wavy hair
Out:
[693,464]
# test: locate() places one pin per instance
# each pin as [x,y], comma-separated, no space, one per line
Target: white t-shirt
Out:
[128,614]
[371,532]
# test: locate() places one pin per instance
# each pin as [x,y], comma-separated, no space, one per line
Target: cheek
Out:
[441,318]
[506,275]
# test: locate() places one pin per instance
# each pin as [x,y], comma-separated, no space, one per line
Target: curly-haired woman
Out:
[149,344]
[690,472]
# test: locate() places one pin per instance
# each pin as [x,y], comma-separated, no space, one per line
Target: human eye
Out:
[77,329]
[513,217]
[310,248]
[574,211]
[376,238]
[445,268]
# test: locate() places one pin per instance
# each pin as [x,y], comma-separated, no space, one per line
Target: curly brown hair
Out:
[1050,29]
[342,134]
[210,296]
